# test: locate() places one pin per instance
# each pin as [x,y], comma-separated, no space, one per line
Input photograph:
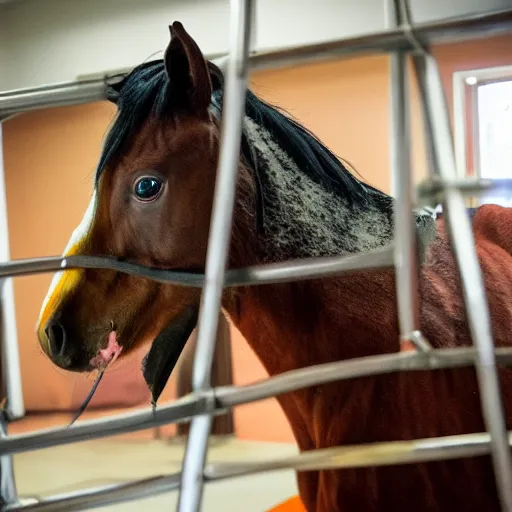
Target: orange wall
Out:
[50,158]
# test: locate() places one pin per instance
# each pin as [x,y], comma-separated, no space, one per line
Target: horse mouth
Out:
[158,363]
[101,361]
[106,356]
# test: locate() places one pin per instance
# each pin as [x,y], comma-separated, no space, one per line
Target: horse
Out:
[152,203]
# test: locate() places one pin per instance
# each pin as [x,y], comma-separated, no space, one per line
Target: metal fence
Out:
[403,40]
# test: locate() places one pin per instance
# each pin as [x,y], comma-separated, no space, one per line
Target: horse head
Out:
[151,205]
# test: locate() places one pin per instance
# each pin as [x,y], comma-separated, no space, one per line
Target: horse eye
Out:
[147,188]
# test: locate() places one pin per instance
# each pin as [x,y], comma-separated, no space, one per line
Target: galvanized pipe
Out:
[445,31]
[55,95]
[233,109]
[356,456]
[303,378]
[259,274]
[224,398]
[440,147]
[103,496]
[8,490]
[405,257]
[180,410]
[14,407]
[437,32]
[203,404]
[364,455]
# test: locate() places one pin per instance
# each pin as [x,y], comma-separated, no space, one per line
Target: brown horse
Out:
[152,205]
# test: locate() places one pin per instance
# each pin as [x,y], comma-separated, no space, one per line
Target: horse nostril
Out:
[56,338]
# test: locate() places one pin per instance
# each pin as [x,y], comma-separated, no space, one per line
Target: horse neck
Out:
[299,324]
[296,325]
[302,219]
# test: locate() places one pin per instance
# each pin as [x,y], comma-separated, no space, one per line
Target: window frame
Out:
[465,124]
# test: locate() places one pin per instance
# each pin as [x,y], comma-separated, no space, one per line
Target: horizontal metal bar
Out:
[26,267]
[471,186]
[261,274]
[103,496]
[441,31]
[310,268]
[83,90]
[294,380]
[179,411]
[352,456]
[68,93]
[364,455]
[227,397]
[436,32]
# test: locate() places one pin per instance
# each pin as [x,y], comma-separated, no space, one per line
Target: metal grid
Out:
[403,40]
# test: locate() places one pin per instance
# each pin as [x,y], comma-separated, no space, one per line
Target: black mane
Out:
[147,90]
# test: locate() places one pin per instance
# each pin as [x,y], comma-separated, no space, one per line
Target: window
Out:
[495,129]
[494,101]
[483,128]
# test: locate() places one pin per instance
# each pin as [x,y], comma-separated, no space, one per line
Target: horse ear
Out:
[187,70]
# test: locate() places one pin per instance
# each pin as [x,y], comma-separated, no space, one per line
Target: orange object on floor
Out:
[292,505]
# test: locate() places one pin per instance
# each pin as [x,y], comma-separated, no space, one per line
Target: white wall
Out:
[58,40]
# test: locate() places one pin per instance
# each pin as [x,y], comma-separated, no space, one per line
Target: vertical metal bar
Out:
[439,139]
[11,373]
[405,242]
[8,492]
[405,254]
[218,245]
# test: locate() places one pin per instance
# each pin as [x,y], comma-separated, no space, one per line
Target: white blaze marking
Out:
[77,236]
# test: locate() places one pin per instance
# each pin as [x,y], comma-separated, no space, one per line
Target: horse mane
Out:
[147,90]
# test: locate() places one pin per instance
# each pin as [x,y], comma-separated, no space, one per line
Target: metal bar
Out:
[227,397]
[241,17]
[310,268]
[259,274]
[437,32]
[435,187]
[192,481]
[180,410]
[364,455]
[68,93]
[8,491]
[405,257]
[374,454]
[439,140]
[103,496]
[294,380]
[443,31]
[11,372]
[83,90]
